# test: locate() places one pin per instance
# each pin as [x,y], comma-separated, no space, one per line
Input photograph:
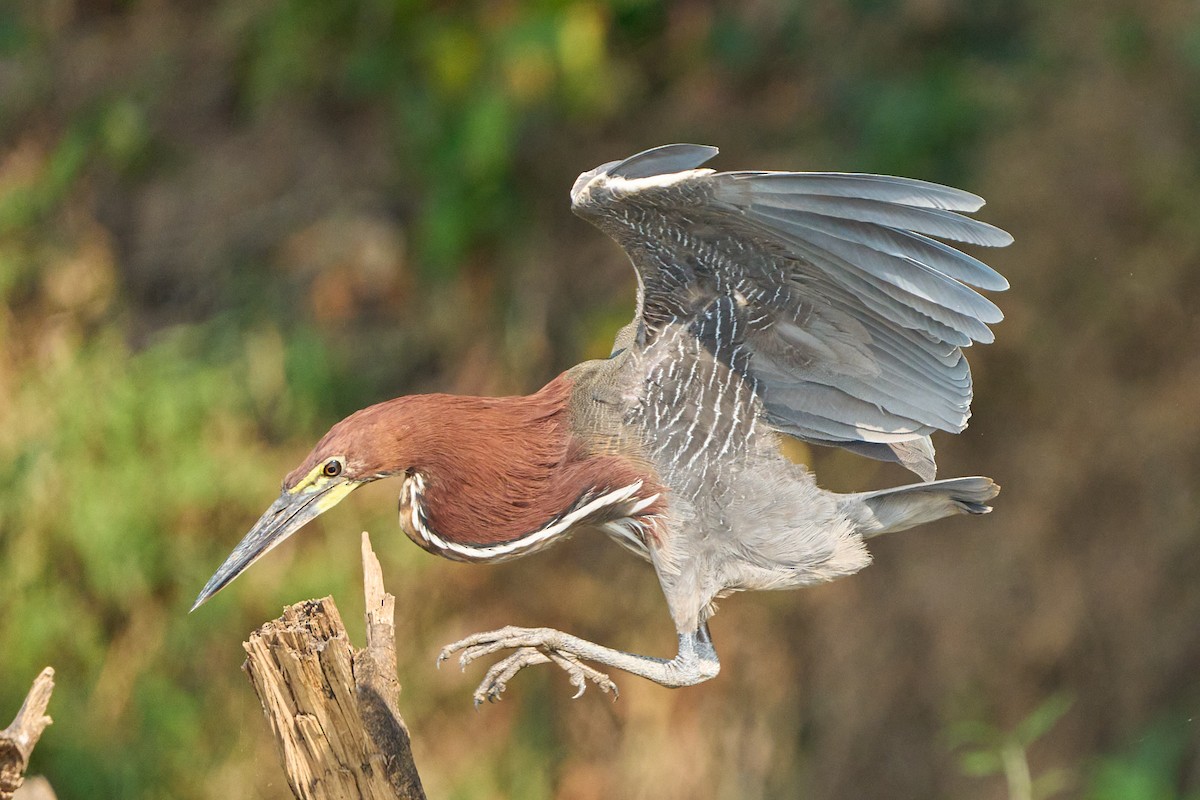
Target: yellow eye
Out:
[333,468]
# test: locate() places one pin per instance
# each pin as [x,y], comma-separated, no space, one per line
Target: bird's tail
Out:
[905,506]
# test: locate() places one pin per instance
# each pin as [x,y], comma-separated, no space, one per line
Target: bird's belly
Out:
[769,527]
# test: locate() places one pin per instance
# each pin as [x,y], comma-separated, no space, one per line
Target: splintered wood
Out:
[332,708]
[18,739]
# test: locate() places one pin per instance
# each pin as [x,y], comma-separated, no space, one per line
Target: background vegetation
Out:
[224,225]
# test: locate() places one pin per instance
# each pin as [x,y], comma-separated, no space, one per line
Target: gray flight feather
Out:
[663,160]
[906,191]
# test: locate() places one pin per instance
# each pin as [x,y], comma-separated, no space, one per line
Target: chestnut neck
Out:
[497,469]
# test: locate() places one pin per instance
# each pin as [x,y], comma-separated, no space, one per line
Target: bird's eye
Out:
[333,468]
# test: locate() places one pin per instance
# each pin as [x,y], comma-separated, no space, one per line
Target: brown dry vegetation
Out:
[224,225]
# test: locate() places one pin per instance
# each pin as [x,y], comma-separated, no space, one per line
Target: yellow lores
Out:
[324,480]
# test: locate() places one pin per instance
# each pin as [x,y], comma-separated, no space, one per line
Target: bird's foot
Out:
[532,646]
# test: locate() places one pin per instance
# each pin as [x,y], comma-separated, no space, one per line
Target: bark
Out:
[332,708]
[18,739]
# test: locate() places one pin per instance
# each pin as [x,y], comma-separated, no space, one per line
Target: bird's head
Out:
[361,448]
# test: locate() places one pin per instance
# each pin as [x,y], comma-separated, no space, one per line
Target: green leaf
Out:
[980,763]
[1042,719]
[972,731]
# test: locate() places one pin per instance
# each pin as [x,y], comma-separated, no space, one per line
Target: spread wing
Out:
[850,315]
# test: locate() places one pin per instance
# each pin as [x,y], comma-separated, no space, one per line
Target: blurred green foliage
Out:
[459,84]
[1151,767]
[119,467]
[224,225]
[985,750]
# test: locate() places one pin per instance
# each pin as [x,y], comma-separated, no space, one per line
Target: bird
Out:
[819,306]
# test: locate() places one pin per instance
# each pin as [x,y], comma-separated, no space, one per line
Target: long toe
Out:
[475,651]
[490,642]
[495,681]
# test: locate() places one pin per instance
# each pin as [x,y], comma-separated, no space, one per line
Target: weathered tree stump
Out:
[332,708]
[18,739]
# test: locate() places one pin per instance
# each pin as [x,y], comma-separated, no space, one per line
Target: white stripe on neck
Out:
[413,490]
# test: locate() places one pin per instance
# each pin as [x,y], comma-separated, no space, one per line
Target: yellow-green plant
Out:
[986,749]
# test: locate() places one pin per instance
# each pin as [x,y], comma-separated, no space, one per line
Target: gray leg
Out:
[695,662]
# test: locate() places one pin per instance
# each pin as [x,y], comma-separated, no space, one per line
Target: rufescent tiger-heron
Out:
[769,304]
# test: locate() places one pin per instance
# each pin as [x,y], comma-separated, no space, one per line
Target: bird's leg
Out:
[695,662]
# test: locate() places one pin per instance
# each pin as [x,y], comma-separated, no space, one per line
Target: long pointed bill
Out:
[288,514]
